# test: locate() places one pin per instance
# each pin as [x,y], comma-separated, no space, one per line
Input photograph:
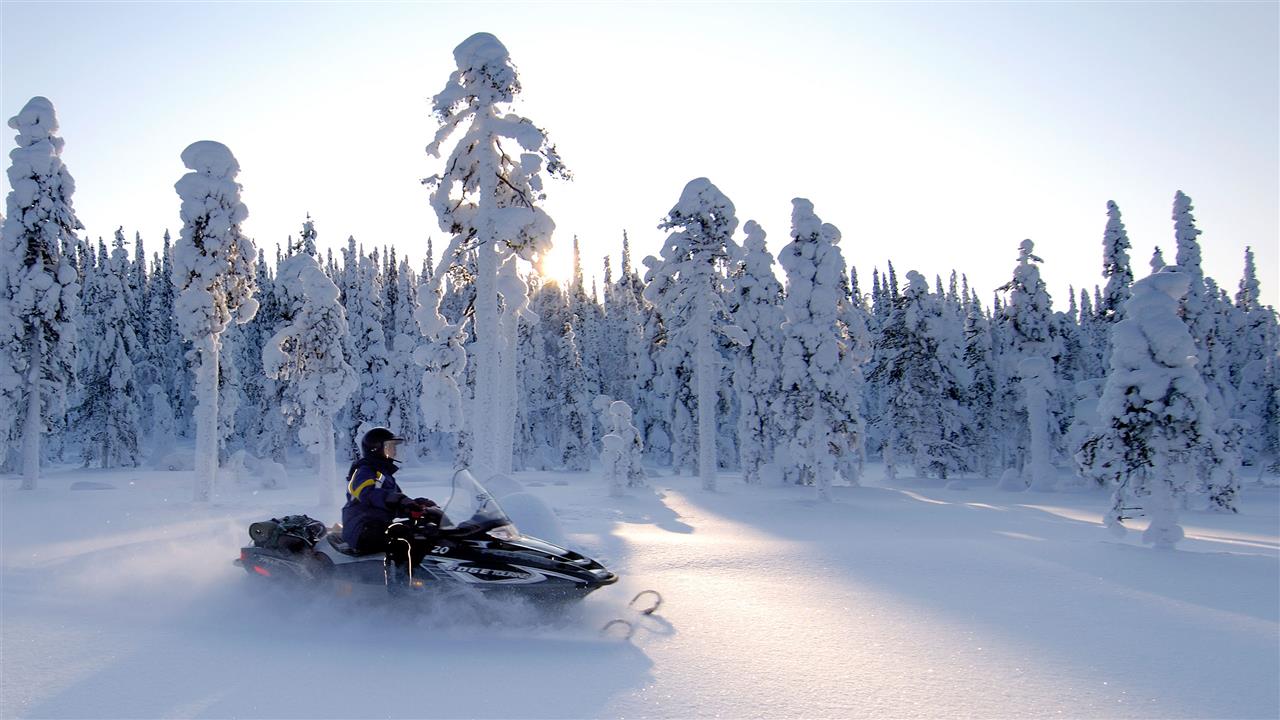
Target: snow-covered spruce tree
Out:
[980,394]
[38,286]
[306,357]
[370,404]
[819,381]
[926,375]
[1202,310]
[756,306]
[1115,268]
[164,352]
[404,384]
[487,199]
[1154,411]
[213,274]
[1033,347]
[541,374]
[111,405]
[587,321]
[1256,343]
[575,405]
[686,287]
[262,426]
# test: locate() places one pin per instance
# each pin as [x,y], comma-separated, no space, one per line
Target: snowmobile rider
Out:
[374,499]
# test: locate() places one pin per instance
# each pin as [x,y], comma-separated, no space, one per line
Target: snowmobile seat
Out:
[337,543]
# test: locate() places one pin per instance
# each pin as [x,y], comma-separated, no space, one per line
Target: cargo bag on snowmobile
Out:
[291,533]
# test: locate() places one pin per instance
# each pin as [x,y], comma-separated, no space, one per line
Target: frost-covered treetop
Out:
[702,222]
[485,76]
[211,188]
[814,266]
[1186,232]
[916,284]
[804,223]
[213,263]
[36,122]
[1247,297]
[703,209]
[41,186]
[1115,264]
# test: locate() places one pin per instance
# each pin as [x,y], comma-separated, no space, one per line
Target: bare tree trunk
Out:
[327,466]
[708,377]
[206,460]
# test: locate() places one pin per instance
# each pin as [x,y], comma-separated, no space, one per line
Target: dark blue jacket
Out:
[373,497]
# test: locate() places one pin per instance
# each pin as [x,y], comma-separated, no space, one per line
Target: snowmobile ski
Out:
[641,608]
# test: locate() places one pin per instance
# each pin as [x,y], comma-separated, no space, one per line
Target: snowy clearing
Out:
[908,601]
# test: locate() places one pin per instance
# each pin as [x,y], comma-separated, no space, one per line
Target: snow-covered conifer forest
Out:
[730,359]
[238,365]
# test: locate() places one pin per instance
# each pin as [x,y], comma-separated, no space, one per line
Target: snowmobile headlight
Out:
[505,532]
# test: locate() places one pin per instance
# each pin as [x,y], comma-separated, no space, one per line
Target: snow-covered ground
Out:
[906,601]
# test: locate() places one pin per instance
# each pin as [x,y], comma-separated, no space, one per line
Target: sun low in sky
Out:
[937,136]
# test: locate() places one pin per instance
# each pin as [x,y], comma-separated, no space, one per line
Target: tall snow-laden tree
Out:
[1033,347]
[307,357]
[574,405]
[756,307]
[213,273]
[38,286]
[487,198]
[686,286]
[980,394]
[111,404]
[926,376]
[819,374]
[1154,411]
[1115,266]
[165,361]
[1202,310]
[1256,346]
[370,405]
[405,384]
[1116,270]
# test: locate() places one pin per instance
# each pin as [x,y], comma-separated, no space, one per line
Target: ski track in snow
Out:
[889,602]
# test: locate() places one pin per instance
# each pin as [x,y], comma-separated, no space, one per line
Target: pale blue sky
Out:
[935,135]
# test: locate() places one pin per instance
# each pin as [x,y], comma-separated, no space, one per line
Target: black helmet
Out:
[371,443]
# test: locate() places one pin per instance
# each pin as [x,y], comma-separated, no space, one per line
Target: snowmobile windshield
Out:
[471,508]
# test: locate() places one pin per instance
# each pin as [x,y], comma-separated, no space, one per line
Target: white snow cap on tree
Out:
[213,264]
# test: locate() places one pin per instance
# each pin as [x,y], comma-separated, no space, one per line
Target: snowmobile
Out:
[474,545]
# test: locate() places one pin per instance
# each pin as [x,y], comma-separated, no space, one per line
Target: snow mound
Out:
[249,469]
[175,459]
[92,485]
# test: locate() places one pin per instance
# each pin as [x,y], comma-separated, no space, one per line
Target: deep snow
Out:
[906,601]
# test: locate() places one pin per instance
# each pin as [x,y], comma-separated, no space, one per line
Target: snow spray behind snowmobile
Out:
[475,546]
